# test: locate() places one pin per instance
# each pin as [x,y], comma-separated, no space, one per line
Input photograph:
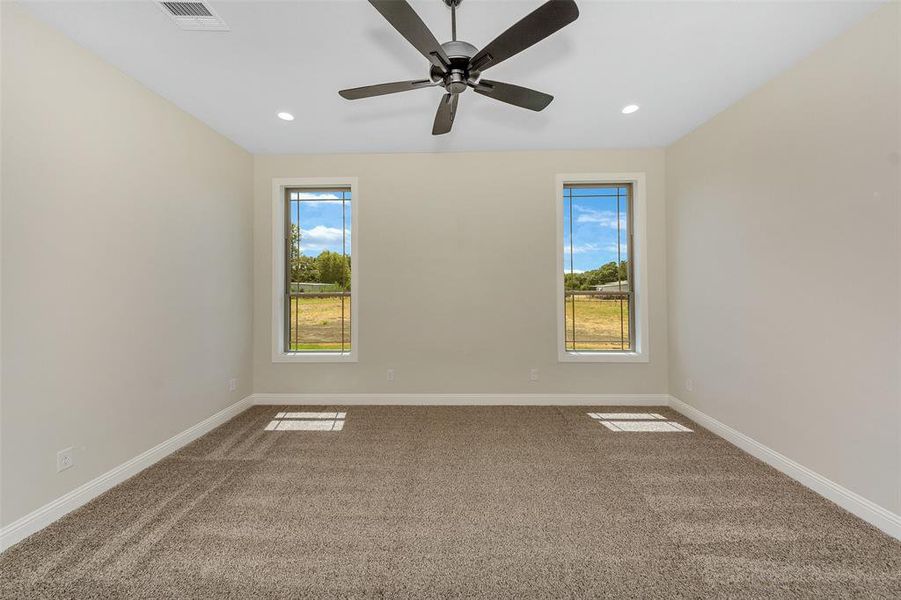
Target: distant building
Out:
[613,286]
[298,287]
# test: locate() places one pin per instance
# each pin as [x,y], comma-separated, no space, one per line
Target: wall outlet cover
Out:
[65,459]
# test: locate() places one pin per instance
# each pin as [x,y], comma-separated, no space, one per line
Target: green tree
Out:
[574,281]
[306,269]
[334,268]
[606,273]
[294,253]
[303,268]
[624,270]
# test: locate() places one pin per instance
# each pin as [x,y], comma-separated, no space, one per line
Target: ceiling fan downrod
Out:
[453,6]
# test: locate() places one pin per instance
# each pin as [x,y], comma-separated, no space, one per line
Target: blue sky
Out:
[321,223]
[594,227]
[594,221]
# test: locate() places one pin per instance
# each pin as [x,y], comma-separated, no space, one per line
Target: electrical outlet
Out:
[533,375]
[389,375]
[689,385]
[232,385]
[65,459]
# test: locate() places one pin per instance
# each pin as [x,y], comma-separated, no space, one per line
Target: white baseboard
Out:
[464,399]
[47,514]
[854,503]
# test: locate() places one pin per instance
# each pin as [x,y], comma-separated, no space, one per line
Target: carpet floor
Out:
[456,502]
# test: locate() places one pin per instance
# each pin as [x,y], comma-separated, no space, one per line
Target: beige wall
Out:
[126,266]
[458,274]
[783,219]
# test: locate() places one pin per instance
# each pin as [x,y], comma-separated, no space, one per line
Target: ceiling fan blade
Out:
[531,29]
[444,118]
[405,20]
[368,91]
[513,94]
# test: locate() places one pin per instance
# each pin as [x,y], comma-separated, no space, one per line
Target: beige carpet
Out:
[456,502]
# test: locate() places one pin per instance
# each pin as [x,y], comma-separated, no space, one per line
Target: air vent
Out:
[194,16]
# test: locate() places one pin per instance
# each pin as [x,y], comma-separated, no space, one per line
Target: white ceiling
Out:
[682,62]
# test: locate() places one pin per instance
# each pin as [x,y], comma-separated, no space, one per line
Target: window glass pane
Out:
[318,271]
[600,324]
[598,312]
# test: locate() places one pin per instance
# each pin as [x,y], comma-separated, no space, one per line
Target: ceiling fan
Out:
[457,65]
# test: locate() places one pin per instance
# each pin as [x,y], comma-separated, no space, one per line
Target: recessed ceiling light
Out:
[628,110]
[288,116]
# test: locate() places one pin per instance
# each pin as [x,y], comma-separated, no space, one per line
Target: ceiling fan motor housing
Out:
[459,74]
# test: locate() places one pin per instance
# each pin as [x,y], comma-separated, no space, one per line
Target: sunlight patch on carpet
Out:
[638,422]
[627,416]
[307,421]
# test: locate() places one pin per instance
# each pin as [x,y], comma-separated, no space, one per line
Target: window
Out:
[314,301]
[600,303]
[597,277]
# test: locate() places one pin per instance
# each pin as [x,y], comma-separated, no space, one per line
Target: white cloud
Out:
[585,248]
[322,234]
[323,238]
[623,248]
[605,218]
[319,198]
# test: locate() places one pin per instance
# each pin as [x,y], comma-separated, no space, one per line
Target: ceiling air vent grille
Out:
[194,16]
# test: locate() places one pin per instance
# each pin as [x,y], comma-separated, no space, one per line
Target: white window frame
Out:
[641,352]
[279,355]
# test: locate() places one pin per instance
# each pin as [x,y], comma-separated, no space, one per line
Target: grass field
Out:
[316,324]
[600,323]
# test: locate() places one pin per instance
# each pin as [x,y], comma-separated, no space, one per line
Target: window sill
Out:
[603,357]
[314,357]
